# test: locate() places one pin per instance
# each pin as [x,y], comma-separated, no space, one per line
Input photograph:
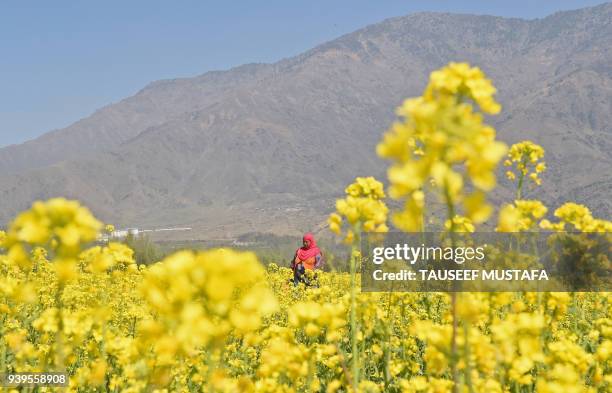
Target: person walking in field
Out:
[307,257]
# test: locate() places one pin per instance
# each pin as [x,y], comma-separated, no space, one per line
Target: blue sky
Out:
[61,60]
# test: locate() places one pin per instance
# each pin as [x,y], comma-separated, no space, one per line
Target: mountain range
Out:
[268,147]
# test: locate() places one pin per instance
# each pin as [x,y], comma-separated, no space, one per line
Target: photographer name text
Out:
[461,275]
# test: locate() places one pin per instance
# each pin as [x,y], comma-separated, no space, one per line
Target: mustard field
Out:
[220,321]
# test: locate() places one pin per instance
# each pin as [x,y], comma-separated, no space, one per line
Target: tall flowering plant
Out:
[441,139]
[363,209]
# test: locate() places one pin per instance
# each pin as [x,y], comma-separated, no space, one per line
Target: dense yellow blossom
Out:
[59,223]
[579,217]
[460,224]
[521,216]
[440,132]
[526,158]
[220,319]
[363,209]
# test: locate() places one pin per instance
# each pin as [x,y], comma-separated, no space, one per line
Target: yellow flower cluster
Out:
[462,80]
[61,224]
[316,318]
[527,159]
[440,131]
[579,217]
[460,224]
[521,216]
[526,215]
[114,255]
[363,208]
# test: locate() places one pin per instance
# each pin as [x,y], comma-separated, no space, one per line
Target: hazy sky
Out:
[61,60]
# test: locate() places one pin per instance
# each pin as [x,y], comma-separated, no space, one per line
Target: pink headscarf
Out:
[303,253]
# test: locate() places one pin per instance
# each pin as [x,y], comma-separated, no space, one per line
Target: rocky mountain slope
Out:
[267,147]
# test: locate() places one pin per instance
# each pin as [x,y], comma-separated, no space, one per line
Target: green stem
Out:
[519,189]
[60,328]
[3,365]
[387,351]
[453,359]
[468,371]
[343,364]
[354,349]
[311,372]
[209,369]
